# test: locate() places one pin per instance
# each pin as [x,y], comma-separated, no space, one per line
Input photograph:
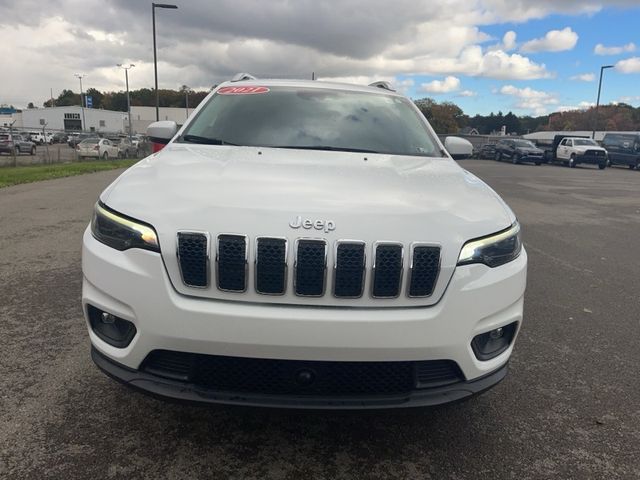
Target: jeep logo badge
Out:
[308,224]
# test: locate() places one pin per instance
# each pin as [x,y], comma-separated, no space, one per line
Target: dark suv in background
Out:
[518,150]
[623,148]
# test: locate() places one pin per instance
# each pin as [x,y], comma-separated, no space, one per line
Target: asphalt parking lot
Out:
[569,408]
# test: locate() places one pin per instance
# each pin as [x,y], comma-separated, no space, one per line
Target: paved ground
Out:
[570,407]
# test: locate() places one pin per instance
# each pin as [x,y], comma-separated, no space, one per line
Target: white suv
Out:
[303,244]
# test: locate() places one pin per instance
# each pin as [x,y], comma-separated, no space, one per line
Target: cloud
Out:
[553,41]
[584,77]
[630,65]
[202,44]
[508,42]
[529,99]
[600,49]
[449,84]
[467,93]
[581,106]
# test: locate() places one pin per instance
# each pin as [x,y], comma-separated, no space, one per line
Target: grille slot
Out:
[193,258]
[271,265]
[349,269]
[437,373]
[231,260]
[280,377]
[387,270]
[425,265]
[310,267]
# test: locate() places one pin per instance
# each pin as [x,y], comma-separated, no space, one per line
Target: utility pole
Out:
[126,78]
[155,55]
[595,122]
[80,77]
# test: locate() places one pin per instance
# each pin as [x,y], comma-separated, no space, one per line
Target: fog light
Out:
[114,330]
[491,344]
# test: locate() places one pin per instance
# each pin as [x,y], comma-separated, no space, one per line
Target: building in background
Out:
[142,117]
[69,119]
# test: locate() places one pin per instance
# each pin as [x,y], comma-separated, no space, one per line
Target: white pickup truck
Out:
[575,150]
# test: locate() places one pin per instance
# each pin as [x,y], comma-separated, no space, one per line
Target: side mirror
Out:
[458,148]
[162,132]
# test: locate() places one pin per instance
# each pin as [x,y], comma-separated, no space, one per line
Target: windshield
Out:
[586,141]
[524,143]
[313,118]
[89,141]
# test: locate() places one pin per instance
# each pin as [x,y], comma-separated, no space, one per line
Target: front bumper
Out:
[134,286]
[591,159]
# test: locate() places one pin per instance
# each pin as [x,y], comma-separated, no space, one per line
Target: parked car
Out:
[518,150]
[420,306]
[487,151]
[126,149]
[573,151]
[14,143]
[59,137]
[98,148]
[623,149]
[75,138]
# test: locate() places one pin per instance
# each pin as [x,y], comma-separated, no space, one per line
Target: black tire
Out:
[602,166]
[498,157]
[572,161]
[33,151]
[538,164]
[515,159]
[632,166]
[105,155]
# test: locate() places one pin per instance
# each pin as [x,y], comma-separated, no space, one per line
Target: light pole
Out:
[126,78]
[155,55]
[186,99]
[595,122]
[80,76]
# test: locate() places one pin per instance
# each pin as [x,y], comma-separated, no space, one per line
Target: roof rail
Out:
[238,77]
[383,84]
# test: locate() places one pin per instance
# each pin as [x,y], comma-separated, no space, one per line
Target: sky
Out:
[529,57]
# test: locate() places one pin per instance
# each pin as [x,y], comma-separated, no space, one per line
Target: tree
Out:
[31,105]
[96,97]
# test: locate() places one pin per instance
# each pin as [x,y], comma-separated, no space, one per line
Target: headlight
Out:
[121,232]
[494,250]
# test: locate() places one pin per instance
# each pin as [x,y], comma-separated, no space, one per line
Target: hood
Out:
[259,191]
[584,148]
[529,150]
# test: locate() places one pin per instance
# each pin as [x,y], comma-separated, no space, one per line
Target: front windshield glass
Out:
[524,143]
[313,118]
[586,141]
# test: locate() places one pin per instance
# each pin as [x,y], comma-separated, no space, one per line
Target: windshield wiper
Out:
[205,140]
[325,147]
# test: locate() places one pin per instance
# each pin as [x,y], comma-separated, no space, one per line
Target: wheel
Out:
[602,166]
[498,156]
[633,166]
[33,150]
[515,159]
[105,155]
[572,161]
[538,163]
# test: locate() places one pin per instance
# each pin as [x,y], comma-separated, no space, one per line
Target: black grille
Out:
[293,377]
[424,271]
[310,267]
[192,253]
[388,271]
[232,263]
[271,266]
[349,276]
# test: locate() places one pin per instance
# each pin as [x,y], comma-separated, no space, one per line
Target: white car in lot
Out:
[303,244]
[97,148]
[573,151]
